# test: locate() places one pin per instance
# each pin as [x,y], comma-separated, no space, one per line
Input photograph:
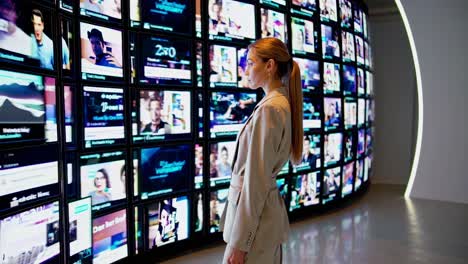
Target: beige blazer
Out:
[255,209]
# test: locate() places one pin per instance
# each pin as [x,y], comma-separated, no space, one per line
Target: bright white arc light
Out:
[417,69]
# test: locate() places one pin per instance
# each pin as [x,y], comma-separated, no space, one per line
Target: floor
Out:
[381,227]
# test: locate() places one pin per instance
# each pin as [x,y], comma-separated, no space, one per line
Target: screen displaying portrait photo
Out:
[359,174]
[304,37]
[107,10]
[361,88]
[349,146]
[22,106]
[68,46]
[346,13]
[305,190]
[310,74]
[164,170]
[304,7]
[331,78]
[369,83]
[101,53]
[347,179]
[361,111]
[31,236]
[331,184]
[217,202]
[333,113]
[103,177]
[328,10]
[229,111]
[359,51]
[311,154]
[198,177]
[312,113]
[224,65]
[350,113]
[164,61]
[357,20]
[273,24]
[103,116]
[168,221]
[231,20]
[110,237]
[162,115]
[221,158]
[80,231]
[332,147]
[330,43]
[349,80]
[347,40]
[26,34]
[361,142]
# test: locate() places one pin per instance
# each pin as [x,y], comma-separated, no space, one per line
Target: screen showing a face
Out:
[229,111]
[347,40]
[110,237]
[331,184]
[350,113]
[312,112]
[32,236]
[103,116]
[68,46]
[101,53]
[162,115]
[349,80]
[330,43]
[18,168]
[164,170]
[346,14]
[108,10]
[168,222]
[349,146]
[79,232]
[273,24]
[304,37]
[26,34]
[311,153]
[217,202]
[328,10]
[348,179]
[305,190]
[333,113]
[231,19]
[332,148]
[102,176]
[331,78]
[310,74]
[221,157]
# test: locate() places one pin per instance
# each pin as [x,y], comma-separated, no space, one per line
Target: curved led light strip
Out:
[417,69]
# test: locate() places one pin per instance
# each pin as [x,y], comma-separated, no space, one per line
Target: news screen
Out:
[330,43]
[349,80]
[331,185]
[367,167]
[312,113]
[369,137]
[107,10]
[69,115]
[217,202]
[282,186]
[28,175]
[310,74]
[305,190]
[273,24]
[361,88]
[357,20]
[369,83]
[346,13]
[68,46]
[221,158]
[168,221]
[274,3]
[311,154]
[332,147]
[359,51]
[103,116]
[328,10]
[331,78]
[350,113]
[361,142]
[227,66]
[347,40]
[32,236]
[349,149]
[348,179]
[198,177]
[231,20]
[333,113]
[198,211]
[80,231]
[67,5]
[361,111]
[304,37]
[304,7]
[359,174]
[110,237]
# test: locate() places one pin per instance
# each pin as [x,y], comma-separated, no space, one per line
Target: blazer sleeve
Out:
[266,135]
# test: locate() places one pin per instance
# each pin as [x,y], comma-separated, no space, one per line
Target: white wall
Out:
[395,96]
[440,34]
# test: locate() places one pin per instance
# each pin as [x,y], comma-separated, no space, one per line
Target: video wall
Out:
[118,119]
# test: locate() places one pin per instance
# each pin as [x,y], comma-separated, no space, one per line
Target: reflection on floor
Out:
[381,227]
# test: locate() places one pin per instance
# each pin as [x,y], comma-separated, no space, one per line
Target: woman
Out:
[102,184]
[254,220]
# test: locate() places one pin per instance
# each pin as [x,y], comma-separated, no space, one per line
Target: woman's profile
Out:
[255,221]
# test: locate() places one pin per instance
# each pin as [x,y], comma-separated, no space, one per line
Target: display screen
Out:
[312,113]
[101,53]
[68,46]
[67,5]
[305,190]
[103,116]
[328,10]
[79,232]
[370,110]
[32,236]
[199,63]
[108,10]
[229,111]
[274,3]
[361,88]
[273,24]
[51,110]
[369,83]
[69,116]
[168,222]
[164,170]
[361,111]
[221,158]
[198,179]
[26,34]
[349,80]
[284,170]
[162,115]
[331,184]
[282,186]
[110,237]
[359,51]
[231,19]
[333,113]
[164,61]
[102,176]
[347,40]
[310,74]
[28,175]
[350,113]
[304,37]
[311,153]
[346,13]
[369,136]
[359,174]
[361,142]
[198,211]
[201,126]
[332,147]
[348,179]
[330,43]
[304,7]
[217,202]
[331,78]
[227,66]
[357,20]
[349,145]
[366,54]
[367,167]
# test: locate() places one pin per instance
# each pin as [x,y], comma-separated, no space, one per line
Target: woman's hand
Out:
[237,256]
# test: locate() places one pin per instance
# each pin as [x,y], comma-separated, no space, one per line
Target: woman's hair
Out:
[290,75]
[106,176]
